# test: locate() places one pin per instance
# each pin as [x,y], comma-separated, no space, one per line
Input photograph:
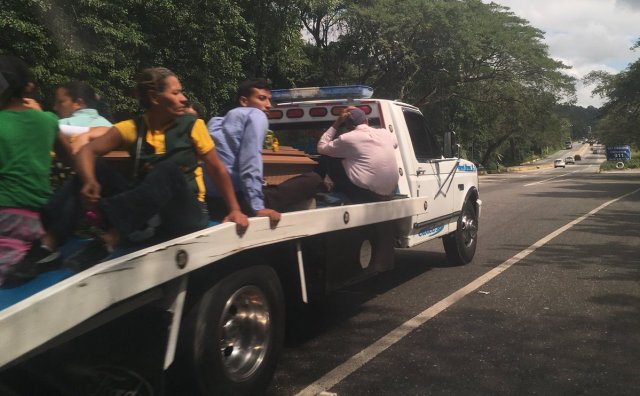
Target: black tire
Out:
[235,333]
[460,245]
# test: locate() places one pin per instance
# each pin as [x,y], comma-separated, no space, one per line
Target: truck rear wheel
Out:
[236,333]
[460,245]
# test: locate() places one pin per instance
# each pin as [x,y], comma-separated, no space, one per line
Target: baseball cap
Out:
[356,117]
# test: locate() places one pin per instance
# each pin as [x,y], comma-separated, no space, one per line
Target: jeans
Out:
[163,191]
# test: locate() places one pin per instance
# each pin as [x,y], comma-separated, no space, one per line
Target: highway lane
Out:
[562,320]
[578,148]
[589,164]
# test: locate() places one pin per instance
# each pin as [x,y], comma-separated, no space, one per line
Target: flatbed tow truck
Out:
[205,313]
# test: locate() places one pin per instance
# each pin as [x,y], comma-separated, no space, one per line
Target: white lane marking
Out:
[549,179]
[495,180]
[358,360]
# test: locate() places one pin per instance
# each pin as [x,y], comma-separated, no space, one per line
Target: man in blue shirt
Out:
[238,137]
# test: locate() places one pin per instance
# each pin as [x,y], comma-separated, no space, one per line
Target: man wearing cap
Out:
[363,161]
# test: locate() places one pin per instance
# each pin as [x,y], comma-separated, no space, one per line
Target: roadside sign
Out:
[617,153]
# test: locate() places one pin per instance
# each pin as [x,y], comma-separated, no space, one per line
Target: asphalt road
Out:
[583,149]
[558,312]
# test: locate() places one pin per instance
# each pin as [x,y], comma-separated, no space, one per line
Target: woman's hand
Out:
[90,194]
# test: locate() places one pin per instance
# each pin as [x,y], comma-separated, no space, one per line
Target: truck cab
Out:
[426,167]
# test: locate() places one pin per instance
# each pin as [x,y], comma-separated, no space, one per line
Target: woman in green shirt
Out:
[27,136]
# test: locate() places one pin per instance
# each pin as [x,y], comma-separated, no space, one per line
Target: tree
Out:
[322,19]
[276,39]
[621,111]
[473,67]
[79,44]
[204,41]
[470,66]
[106,42]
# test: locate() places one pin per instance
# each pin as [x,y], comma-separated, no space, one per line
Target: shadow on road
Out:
[309,327]
[306,322]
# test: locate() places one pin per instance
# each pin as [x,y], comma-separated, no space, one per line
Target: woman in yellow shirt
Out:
[167,147]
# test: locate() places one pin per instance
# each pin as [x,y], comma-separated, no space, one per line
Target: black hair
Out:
[15,75]
[153,79]
[82,90]
[198,108]
[246,87]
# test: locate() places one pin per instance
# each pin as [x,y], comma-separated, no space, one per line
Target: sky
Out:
[585,34]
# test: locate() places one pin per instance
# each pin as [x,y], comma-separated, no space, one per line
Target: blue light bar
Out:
[335,92]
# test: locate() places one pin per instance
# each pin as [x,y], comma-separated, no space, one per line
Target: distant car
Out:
[558,163]
[577,157]
[569,160]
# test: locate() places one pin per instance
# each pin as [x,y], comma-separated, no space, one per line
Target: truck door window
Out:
[424,144]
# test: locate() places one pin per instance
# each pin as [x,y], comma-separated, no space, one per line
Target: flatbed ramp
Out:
[36,320]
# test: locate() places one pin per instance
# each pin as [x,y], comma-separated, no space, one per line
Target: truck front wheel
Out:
[460,245]
[236,333]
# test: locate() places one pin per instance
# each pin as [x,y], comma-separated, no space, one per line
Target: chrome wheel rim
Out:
[469,225]
[245,329]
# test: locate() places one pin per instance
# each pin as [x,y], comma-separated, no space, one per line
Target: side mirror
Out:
[451,148]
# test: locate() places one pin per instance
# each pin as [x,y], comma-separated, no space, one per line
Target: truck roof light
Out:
[274,114]
[367,109]
[337,110]
[333,92]
[295,113]
[318,112]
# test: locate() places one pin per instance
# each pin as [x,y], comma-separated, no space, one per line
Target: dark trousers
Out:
[163,191]
[278,197]
[333,167]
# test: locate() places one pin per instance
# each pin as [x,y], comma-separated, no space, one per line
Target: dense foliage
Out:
[620,123]
[472,67]
[105,42]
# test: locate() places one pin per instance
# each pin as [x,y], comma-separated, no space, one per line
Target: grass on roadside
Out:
[633,163]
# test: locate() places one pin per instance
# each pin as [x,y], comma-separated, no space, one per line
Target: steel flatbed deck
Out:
[30,324]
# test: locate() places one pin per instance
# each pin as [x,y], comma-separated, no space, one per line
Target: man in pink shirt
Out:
[363,161]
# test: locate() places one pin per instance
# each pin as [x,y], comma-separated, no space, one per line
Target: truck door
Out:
[429,175]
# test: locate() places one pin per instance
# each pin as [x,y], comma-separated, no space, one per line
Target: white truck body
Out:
[433,193]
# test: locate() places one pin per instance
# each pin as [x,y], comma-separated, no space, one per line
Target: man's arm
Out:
[327,145]
[250,165]
[221,178]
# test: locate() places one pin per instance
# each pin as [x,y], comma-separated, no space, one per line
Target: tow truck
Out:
[205,313]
